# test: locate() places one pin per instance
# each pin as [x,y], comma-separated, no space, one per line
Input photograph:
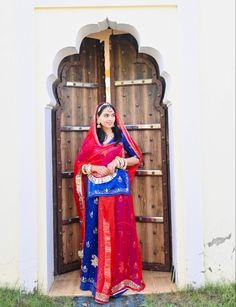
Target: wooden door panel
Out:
[70,239]
[150,145]
[147,196]
[79,89]
[137,90]
[70,146]
[142,109]
[74,112]
[68,204]
[153,248]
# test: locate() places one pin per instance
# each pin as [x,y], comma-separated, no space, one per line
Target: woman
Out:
[111,259]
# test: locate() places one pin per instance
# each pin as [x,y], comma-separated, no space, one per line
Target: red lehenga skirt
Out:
[111,255]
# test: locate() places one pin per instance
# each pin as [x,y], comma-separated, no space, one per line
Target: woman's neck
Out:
[107,130]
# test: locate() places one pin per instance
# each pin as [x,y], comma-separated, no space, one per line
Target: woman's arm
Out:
[132,161]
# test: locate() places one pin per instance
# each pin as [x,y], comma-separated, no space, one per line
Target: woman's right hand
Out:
[100,169]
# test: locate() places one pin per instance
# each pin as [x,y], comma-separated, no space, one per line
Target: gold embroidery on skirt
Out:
[102,297]
[125,283]
[121,285]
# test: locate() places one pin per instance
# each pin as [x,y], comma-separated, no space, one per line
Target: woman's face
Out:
[107,118]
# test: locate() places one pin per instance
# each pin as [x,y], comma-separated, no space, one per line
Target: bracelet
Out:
[87,169]
[121,163]
[117,162]
[126,163]
[83,169]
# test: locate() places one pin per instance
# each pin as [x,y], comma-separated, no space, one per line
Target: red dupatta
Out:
[98,154]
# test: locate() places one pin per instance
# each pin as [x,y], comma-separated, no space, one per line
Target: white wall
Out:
[185,36]
[9,211]
[18,208]
[217,73]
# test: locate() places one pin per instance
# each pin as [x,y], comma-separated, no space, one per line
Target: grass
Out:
[19,298]
[217,295]
[211,295]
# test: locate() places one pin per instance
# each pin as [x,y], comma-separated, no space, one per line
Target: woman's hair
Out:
[100,133]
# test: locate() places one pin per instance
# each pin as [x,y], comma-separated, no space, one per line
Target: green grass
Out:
[217,295]
[19,298]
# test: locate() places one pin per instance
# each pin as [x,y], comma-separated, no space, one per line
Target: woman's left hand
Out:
[112,166]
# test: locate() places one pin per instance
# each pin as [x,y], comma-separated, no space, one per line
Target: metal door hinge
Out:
[81,84]
[133,82]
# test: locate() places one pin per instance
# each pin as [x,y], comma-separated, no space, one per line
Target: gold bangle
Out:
[126,163]
[119,159]
[117,162]
[87,169]
[84,169]
[122,163]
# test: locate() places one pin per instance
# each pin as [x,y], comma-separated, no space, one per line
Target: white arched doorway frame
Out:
[177,249]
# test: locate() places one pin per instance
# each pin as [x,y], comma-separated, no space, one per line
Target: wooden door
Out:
[80,86]
[137,91]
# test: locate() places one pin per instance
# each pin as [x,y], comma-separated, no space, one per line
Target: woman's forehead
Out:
[108,110]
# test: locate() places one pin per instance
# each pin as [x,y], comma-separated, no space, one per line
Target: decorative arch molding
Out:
[53,79]
[101,26]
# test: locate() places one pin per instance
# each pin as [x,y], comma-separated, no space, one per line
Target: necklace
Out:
[107,135]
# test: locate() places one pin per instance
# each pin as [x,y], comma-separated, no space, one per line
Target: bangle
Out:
[87,169]
[121,162]
[125,164]
[83,169]
[117,162]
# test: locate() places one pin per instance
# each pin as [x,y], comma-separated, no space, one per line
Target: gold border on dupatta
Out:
[125,283]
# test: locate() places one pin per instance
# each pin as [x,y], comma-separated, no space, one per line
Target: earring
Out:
[98,125]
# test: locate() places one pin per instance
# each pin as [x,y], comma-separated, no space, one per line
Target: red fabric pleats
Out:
[106,239]
[119,258]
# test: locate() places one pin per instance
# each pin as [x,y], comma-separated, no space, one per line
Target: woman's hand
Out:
[101,170]
[112,166]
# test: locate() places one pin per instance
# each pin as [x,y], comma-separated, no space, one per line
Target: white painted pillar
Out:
[49,200]
[27,144]
[190,105]
[9,153]
[18,255]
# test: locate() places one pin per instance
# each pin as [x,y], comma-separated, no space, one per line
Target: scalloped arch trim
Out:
[94,28]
